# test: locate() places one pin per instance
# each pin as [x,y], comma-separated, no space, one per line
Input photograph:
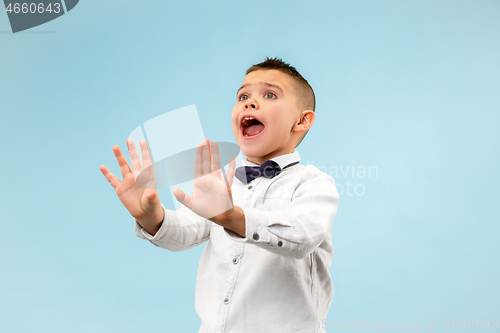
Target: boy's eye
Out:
[270,95]
[243,97]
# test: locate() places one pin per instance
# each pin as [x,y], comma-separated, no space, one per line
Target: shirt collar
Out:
[282,160]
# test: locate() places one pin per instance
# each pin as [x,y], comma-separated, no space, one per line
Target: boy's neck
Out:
[261,159]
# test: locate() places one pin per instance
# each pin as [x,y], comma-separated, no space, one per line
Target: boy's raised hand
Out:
[142,202]
[212,190]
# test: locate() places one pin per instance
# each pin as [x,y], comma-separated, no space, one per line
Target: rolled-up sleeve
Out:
[180,230]
[298,229]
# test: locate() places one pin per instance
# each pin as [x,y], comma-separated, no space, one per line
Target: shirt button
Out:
[226,300]
[256,236]
[280,243]
[235,261]
[250,187]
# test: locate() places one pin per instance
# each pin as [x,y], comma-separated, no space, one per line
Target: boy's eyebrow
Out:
[264,83]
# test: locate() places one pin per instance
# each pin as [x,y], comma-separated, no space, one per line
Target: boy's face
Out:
[267,96]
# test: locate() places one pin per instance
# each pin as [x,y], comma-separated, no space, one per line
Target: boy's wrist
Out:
[152,223]
[233,219]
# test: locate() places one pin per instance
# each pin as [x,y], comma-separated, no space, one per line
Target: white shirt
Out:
[276,279]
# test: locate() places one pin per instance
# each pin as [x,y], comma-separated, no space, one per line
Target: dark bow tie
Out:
[268,169]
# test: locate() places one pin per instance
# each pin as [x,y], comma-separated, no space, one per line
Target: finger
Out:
[135,160]
[210,156]
[231,171]
[182,197]
[112,179]
[122,161]
[216,159]
[198,163]
[146,155]
[206,158]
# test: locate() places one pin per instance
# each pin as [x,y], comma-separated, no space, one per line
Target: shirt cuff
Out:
[258,231]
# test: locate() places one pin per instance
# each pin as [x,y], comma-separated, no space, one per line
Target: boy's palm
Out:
[137,191]
[212,191]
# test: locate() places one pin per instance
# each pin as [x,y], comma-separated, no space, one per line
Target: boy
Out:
[265,265]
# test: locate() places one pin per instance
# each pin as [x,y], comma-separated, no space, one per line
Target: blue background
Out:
[408,87]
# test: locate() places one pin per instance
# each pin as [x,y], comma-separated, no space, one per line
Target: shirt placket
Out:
[237,250]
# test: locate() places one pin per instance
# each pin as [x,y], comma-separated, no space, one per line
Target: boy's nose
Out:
[252,105]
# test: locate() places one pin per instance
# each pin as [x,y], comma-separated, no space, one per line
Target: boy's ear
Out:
[305,121]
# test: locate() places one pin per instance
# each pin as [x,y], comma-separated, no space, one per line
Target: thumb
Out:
[182,197]
[150,199]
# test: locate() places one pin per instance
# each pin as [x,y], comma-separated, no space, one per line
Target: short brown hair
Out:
[303,91]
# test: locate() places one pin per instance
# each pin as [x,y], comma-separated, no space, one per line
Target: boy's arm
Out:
[180,230]
[296,230]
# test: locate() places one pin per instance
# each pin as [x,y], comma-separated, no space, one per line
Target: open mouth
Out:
[251,127]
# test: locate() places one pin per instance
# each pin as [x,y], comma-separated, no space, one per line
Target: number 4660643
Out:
[33,8]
